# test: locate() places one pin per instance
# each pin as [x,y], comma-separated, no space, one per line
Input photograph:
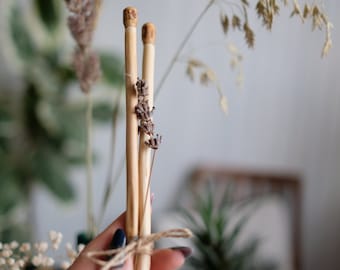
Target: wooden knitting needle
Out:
[130,23]
[148,37]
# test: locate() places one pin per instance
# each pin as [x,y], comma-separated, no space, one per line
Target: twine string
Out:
[139,246]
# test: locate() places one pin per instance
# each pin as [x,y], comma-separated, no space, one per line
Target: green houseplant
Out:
[42,120]
[216,234]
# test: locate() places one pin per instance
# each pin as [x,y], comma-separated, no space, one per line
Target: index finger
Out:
[101,242]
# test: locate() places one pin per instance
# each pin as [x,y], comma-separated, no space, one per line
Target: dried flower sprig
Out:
[249,35]
[319,21]
[15,256]
[207,76]
[154,142]
[144,114]
[82,22]
[236,63]
[236,22]
[87,68]
[267,10]
[328,42]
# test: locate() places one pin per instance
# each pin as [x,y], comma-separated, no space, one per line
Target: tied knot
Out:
[142,245]
[143,248]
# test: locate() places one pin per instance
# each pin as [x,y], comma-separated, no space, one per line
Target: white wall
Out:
[284,118]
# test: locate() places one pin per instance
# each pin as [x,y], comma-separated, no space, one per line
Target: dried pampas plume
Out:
[82,22]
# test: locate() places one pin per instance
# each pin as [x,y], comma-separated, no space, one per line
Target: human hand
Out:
[163,259]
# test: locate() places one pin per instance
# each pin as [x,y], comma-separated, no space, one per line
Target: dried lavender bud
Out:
[82,21]
[143,110]
[87,67]
[74,5]
[147,127]
[78,28]
[144,113]
[141,88]
[90,11]
[154,142]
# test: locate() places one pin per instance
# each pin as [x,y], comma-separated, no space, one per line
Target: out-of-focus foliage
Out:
[216,238]
[42,122]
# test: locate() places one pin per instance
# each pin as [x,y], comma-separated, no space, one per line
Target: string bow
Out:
[142,245]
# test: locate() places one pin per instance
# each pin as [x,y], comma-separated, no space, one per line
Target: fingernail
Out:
[186,251]
[118,239]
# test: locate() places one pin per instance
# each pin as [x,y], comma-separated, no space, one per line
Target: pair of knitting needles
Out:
[138,154]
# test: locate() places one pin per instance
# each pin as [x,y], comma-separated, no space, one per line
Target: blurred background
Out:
[282,124]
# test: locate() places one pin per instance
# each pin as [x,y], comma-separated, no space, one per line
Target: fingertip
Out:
[186,251]
[167,259]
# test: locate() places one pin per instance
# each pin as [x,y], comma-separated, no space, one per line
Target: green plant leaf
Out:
[51,170]
[102,112]
[20,36]
[49,13]
[112,69]
[216,238]
[72,118]
[236,231]
[189,218]
[66,74]
[10,192]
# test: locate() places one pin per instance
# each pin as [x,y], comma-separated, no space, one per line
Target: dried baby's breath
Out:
[6,253]
[14,244]
[71,252]
[55,238]
[65,265]
[25,247]
[16,257]
[41,247]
